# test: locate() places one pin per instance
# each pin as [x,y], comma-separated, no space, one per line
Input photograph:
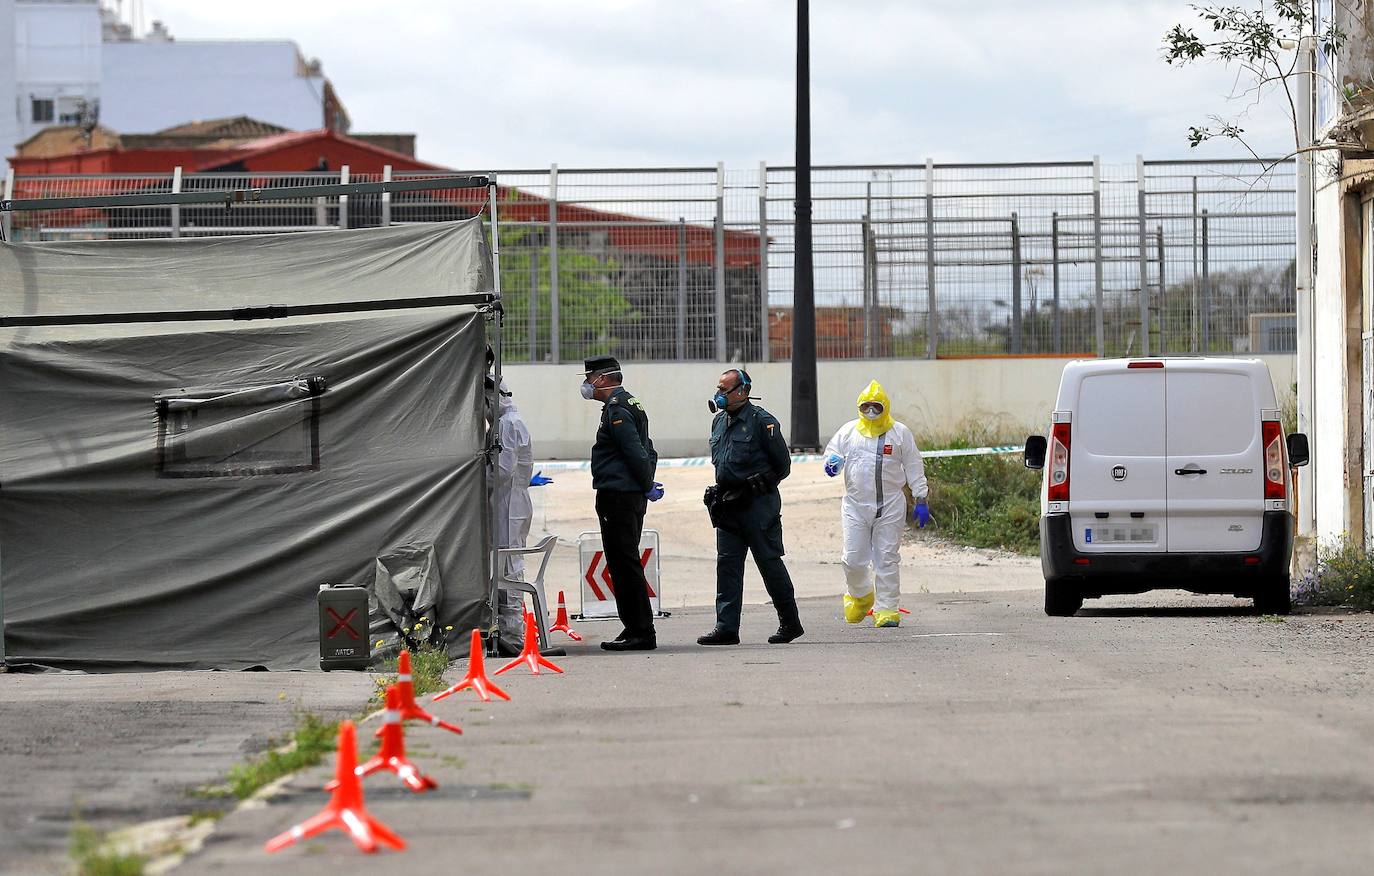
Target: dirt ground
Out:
[810,515]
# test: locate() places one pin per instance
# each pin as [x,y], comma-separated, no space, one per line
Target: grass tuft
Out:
[1344,576]
[428,662]
[986,501]
[312,738]
[93,855]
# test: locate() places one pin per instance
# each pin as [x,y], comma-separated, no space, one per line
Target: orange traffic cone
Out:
[560,622]
[410,710]
[530,654]
[476,677]
[393,754]
[345,808]
[902,610]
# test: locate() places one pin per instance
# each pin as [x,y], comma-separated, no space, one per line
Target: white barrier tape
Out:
[690,461]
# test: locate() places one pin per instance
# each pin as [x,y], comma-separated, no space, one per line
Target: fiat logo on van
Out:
[1119,473]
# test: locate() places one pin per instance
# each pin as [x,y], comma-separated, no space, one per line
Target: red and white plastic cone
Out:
[410,710]
[476,677]
[530,655]
[560,621]
[392,755]
[345,809]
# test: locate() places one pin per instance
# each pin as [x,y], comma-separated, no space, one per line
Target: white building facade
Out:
[75,60]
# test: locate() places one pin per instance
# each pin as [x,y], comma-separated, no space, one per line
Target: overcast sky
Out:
[522,83]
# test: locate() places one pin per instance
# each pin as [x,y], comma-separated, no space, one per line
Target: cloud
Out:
[506,83]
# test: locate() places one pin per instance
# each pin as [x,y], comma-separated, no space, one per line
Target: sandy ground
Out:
[810,514]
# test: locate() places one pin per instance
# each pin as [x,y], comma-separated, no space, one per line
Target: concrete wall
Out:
[931,397]
[1332,379]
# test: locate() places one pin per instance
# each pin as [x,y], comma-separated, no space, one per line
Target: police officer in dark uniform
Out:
[623,464]
[750,456]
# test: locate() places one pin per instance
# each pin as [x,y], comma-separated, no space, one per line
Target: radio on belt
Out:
[344,640]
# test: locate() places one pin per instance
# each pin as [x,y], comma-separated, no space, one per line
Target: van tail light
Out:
[1275,476]
[1058,469]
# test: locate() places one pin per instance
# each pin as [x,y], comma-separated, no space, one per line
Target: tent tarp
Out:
[173,494]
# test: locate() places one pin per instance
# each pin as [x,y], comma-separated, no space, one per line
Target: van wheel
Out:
[1062,599]
[1273,596]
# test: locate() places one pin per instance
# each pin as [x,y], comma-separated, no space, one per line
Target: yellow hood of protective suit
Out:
[873,428]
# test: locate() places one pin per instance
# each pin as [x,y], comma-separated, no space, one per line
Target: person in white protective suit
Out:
[512,511]
[878,456]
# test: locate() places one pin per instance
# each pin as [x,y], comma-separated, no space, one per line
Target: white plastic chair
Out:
[534,588]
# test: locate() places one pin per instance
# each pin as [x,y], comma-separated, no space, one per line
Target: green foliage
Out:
[986,501]
[589,300]
[92,854]
[312,738]
[1253,40]
[1344,576]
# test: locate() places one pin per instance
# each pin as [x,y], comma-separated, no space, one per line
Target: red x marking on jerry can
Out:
[343,623]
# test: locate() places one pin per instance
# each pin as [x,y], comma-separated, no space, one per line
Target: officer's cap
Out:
[600,365]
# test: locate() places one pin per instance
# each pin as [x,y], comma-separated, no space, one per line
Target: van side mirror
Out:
[1035,451]
[1298,452]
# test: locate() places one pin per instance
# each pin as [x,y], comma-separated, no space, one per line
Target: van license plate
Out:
[1141,534]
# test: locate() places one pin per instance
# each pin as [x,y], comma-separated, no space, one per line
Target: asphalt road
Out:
[127,748]
[1156,734]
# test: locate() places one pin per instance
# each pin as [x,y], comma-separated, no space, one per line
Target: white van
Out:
[1166,474]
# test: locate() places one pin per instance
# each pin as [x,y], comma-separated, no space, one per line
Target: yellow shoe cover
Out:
[886,618]
[856,608]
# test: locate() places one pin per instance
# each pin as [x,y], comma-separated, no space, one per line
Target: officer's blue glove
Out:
[833,462]
[539,480]
[656,493]
[921,514]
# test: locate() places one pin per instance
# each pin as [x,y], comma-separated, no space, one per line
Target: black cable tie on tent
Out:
[273,311]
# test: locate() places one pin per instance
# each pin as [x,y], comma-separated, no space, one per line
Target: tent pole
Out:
[493,431]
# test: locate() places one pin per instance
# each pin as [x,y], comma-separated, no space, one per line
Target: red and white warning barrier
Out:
[596,586]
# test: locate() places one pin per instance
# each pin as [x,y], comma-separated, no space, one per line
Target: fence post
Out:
[1195,267]
[765,342]
[681,288]
[555,351]
[1163,286]
[722,342]
[1015,285]
[1100,328]
[1205,306]
[175,212]
[1057,337]
[343,199]
[932,314]
[1142,256]
[7,231]
[386,206]
[532,305]
[866,229]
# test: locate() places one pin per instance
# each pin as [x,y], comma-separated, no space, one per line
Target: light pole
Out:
[805,418]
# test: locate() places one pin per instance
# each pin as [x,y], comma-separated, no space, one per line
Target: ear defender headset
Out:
[718,402]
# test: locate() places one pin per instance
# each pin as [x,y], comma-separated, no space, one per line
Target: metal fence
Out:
[924,260]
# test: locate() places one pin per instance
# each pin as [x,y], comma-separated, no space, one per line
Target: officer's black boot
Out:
[787,631]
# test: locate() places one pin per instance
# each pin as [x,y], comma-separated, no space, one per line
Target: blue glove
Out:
[539,480]
[921,514]
[656,493]
[833,462]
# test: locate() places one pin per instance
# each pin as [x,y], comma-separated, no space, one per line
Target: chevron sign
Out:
[596,586]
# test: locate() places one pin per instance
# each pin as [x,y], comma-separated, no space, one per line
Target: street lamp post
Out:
[805,418]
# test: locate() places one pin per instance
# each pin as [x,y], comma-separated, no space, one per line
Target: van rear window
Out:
[1211,413]
[1121,414]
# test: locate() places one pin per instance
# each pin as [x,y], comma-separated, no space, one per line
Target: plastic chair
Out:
[535,588]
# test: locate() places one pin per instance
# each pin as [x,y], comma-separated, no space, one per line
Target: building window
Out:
[240,431]
[42,109]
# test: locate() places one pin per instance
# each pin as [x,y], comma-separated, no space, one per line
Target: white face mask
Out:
[588,391]
[871,413]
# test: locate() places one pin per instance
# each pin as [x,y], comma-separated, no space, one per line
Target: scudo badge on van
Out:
[1119,473]
[1239,471]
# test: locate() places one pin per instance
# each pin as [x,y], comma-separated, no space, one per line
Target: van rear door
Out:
[1117,459]
[1216,463]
